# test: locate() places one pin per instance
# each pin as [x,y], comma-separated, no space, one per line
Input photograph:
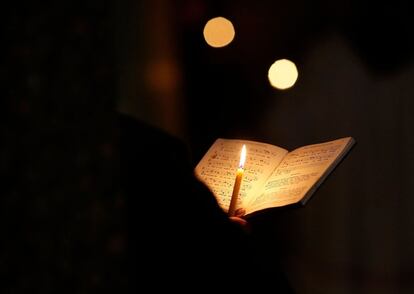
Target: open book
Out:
[273,176]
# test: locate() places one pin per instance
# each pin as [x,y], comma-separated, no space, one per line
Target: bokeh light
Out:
[283,74]
[218,32]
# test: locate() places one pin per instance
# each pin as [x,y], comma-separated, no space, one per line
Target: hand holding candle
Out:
[237,183]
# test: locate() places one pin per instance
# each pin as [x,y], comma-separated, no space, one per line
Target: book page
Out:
[299,173]
[217,169]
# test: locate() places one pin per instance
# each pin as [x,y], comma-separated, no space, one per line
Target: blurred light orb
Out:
[282,74]
[218,32]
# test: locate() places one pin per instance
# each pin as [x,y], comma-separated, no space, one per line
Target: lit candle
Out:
[237,183]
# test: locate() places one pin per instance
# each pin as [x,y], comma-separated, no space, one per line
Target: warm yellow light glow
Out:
[242,157]
[283,74]
[218,32]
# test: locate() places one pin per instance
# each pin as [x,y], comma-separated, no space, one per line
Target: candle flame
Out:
[242,157]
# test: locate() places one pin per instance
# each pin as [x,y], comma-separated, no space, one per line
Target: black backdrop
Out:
[67,66]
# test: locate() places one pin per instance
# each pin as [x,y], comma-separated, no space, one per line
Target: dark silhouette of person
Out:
[178,236]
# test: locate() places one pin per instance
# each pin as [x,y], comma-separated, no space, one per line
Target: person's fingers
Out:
[238,220]
[241,223]
[240,212]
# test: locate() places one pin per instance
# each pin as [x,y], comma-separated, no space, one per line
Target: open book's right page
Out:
[300,173]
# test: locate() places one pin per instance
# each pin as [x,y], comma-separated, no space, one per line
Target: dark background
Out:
[67,66]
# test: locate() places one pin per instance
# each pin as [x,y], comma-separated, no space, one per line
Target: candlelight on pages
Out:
[272,176]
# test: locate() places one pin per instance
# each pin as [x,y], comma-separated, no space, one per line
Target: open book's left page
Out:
[217,169]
